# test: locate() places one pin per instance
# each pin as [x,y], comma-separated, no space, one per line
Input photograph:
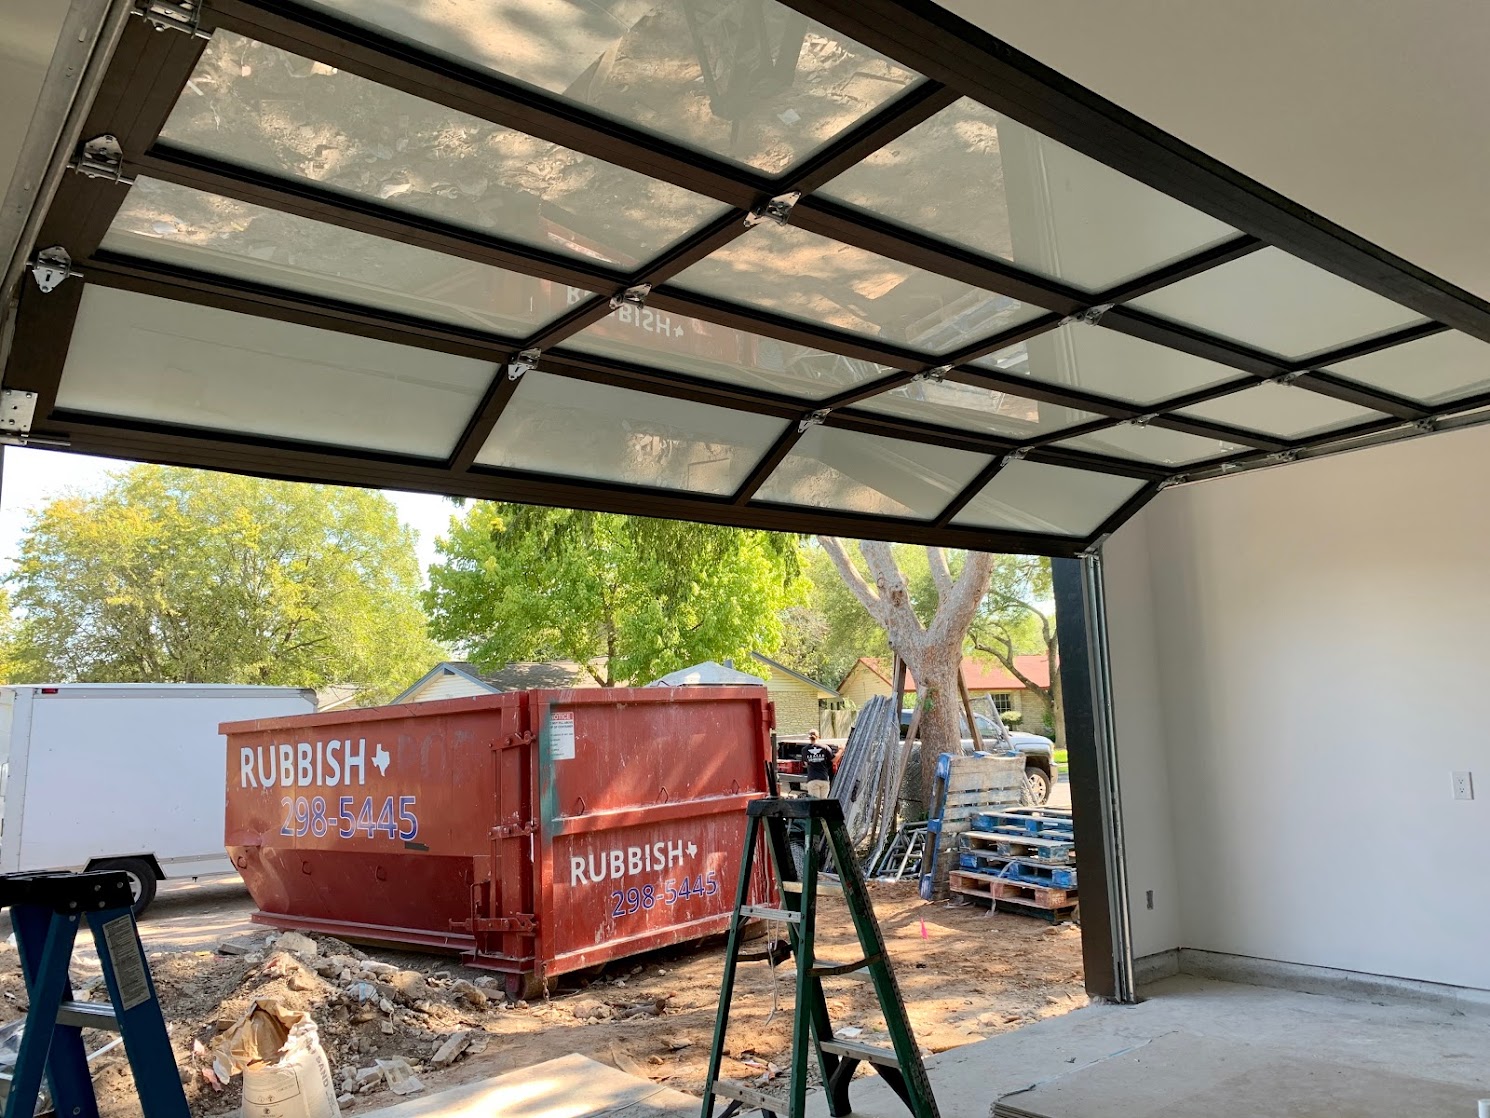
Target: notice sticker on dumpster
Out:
[561,736]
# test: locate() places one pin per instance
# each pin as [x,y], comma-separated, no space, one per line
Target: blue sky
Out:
[31,478]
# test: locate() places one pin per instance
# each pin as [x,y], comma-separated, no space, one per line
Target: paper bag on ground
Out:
[285,1073]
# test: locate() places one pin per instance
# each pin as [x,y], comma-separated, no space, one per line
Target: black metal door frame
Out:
[1091,753]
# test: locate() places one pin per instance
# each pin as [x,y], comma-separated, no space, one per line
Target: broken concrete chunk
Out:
[382,970]
[241,945]
[677,1043]
[298,944]
[586,1008]
[468,993]
[410,984]
[478,1044]
[400,1076]
[451,1050]
[345,1100]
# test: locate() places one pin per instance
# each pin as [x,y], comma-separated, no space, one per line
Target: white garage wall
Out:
[1142,761]
[1321,635]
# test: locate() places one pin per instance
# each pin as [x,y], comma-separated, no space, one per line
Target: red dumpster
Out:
[537,832]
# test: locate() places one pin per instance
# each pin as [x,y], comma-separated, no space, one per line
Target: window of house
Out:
[1003,701]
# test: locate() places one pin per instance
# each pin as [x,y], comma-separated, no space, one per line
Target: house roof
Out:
[981,675]
[776,666]
[551,674]
[709,673]
[548,673]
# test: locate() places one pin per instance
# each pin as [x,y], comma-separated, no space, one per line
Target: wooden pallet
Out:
[1049,915]
[1029,848]
[1021,823]
[1018,869]
[992,887]
[1040,810]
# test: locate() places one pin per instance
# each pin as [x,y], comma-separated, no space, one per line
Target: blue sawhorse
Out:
[46,911]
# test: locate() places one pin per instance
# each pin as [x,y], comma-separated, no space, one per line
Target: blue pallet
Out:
[1008,823]
[1015,869]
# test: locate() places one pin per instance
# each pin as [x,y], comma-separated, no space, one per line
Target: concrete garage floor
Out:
[1358,1058]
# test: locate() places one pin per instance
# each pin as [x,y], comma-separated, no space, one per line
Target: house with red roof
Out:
[870,676]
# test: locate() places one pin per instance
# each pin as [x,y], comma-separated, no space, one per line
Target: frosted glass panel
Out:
[792,272]
[1286,411]
[835,469]
[206,232]
[681,344]
[1434,370]
[257,106]
[1033,497]
[1110,364]
[970,408]
[1152,444]
[981,180]
[1276,302]
[749,80]
[555,425]
[157,359]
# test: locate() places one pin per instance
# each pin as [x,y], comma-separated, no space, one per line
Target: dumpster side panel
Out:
[372,824]
[643,795]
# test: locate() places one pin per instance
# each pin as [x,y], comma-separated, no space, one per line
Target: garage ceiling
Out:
[852,267]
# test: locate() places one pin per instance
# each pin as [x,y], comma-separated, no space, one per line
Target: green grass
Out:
[1060,757]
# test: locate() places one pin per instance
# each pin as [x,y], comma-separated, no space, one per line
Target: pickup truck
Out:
[1039,752]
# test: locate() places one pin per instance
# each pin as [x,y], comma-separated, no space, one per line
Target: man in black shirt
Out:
[818,757]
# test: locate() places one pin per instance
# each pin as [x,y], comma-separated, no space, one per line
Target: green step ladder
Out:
[819,829]
[47,910]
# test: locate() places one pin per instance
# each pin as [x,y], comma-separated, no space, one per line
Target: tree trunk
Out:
[941,721]
[1057,698]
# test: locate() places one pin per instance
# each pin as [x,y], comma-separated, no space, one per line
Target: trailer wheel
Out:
[142,881]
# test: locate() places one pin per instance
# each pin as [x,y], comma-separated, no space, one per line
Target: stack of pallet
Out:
[964,790]
[1021,859]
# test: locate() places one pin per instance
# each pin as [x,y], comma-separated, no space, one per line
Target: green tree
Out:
[182,576]
[1017,618]
[824,634]
[630,597]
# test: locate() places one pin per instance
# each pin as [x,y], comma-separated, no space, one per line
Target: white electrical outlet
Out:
[1463,786]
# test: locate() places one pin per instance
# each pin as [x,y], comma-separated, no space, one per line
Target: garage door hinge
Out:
[634,296]
[51,267]
[17,409]
[102,158]
[777,210]
[524,362]
[173,15]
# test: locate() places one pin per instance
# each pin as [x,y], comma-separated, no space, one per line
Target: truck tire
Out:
[1039,784]
[141,879]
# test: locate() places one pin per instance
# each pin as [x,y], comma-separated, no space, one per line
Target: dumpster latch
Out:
[517,922]
[512,741]
[513,830]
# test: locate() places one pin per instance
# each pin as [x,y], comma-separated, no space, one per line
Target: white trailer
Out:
[122,775]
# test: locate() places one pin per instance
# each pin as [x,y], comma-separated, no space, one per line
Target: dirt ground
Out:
[965,975]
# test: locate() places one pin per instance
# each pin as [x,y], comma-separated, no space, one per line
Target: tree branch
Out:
[893,592]
[954,615]
[941,574]
[855,582]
